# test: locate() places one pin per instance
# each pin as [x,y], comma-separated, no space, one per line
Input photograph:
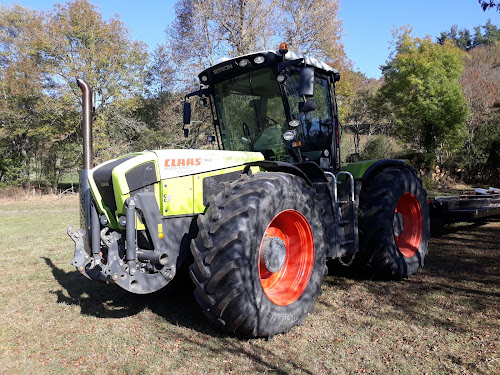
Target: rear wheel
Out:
[393,224]
[259,256]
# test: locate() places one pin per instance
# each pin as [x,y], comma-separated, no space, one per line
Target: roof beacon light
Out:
[283,48]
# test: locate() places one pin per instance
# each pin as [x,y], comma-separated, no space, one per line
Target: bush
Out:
[11,192]
[377,147]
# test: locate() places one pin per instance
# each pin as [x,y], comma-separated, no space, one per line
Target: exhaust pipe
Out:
[88,163]
[87,107]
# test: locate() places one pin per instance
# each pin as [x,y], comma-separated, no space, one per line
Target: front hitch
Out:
[90,267]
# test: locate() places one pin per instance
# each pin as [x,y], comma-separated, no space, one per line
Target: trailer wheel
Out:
[393,224]
[259,256]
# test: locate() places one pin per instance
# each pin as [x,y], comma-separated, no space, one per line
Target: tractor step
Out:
[345,210]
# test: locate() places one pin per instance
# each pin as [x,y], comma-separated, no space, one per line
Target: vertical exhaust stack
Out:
[88,163]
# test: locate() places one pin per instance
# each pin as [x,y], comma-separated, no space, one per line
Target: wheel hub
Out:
[274,253]
[286,257]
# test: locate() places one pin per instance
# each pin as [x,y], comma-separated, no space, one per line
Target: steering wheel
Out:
[271,120]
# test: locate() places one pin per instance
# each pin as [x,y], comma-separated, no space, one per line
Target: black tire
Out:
[382,254]
[227,253]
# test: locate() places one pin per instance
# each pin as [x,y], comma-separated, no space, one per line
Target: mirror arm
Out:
[283,65]
[201,92]
[186,131]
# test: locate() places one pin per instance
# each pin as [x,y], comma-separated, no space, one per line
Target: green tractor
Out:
[258,219]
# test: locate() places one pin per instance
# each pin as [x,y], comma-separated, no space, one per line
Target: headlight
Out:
[122,220]
[289,135]
[259,59]
[244,62]
[294,123]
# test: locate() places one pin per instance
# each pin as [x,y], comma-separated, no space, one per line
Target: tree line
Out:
[137,94]
[440,98]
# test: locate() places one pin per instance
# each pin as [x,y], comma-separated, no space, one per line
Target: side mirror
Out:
[308,106]
[306,83]
[186,114]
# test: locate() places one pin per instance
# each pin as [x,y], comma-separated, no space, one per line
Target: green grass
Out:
[444,320]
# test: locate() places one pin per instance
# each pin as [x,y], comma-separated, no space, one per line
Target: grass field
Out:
[444,320]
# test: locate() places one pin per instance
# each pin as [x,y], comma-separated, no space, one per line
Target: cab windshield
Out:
[251,114]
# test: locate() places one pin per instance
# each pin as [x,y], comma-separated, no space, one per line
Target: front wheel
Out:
[260,255]
[393,224]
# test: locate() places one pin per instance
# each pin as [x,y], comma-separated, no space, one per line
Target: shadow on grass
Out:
[460,279]
[446,229]
[175,303]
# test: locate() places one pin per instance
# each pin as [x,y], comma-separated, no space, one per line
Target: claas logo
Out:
[182,162]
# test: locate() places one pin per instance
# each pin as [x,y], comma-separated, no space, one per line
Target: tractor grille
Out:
[142,177]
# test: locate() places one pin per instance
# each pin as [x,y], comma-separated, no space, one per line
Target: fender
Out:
[384,163]
[278,166]
[363,170]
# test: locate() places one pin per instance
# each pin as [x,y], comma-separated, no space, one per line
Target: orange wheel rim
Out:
[408,225]
[286,285]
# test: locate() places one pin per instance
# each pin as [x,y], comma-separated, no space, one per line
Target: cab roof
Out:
[289,56]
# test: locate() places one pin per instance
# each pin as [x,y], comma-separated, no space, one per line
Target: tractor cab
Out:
[280,104]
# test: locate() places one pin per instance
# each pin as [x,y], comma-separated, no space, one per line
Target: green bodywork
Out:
[359,168]
[175,196]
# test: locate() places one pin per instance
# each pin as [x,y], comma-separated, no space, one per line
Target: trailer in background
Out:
[478,205]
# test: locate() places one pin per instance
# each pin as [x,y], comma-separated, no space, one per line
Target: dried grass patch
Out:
[444,320]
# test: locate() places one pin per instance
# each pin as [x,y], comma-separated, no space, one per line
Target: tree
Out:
[41,53]
[76,41]
[313,28]
[481,85]
[421,82]
[161,74]
[364,110]
[487,4]
[245,25]
[24,108]
[204,31]
[466,41]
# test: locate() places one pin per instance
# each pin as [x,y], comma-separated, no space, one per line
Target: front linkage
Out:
[135,270]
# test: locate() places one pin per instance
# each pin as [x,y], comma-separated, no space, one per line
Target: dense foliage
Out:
[440,98]
[428,104]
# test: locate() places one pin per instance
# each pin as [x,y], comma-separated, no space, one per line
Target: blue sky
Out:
[367,24]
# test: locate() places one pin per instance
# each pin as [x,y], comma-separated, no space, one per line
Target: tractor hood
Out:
[177,163]
[114,181]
